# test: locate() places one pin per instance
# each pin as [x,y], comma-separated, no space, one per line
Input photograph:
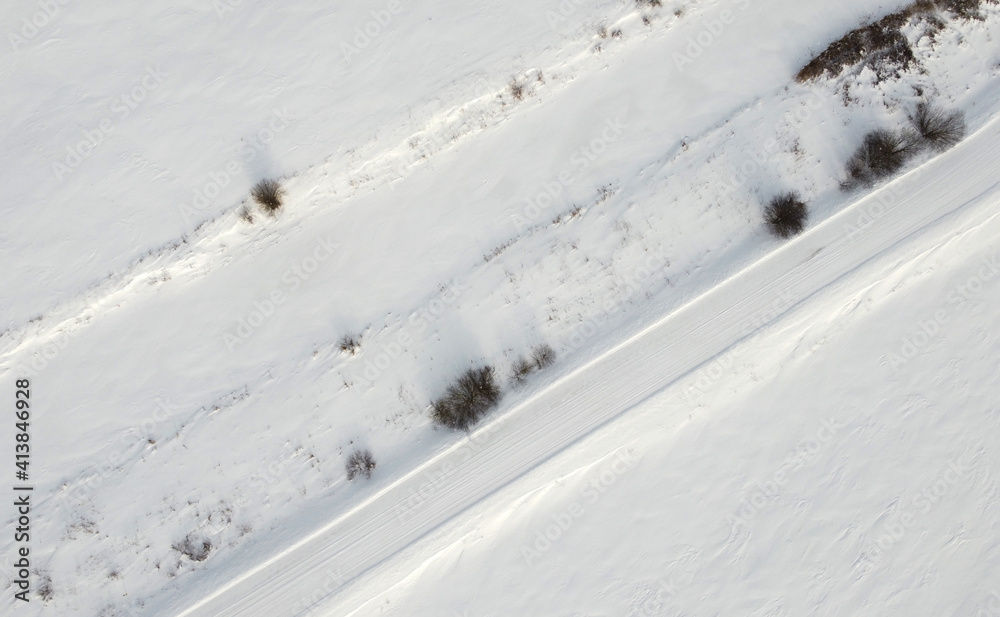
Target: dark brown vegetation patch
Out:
[882,46]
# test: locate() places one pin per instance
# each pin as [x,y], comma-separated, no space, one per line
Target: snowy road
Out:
[604,389]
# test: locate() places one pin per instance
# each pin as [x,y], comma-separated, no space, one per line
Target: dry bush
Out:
[881,154]
[522,369]
[966,9]
[246,215]
[360,463]
[195,549]
[939,129]
[881,46]
[516,89]
[349,344]
[268,194]
[786,215]
[920,7]
[473,394]
[45,590]
[542,356]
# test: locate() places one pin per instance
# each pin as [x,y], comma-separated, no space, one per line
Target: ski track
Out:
[605,388]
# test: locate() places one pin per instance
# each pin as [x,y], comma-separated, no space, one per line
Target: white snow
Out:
[185,367]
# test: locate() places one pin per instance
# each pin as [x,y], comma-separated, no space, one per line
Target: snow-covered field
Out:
[734,424]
